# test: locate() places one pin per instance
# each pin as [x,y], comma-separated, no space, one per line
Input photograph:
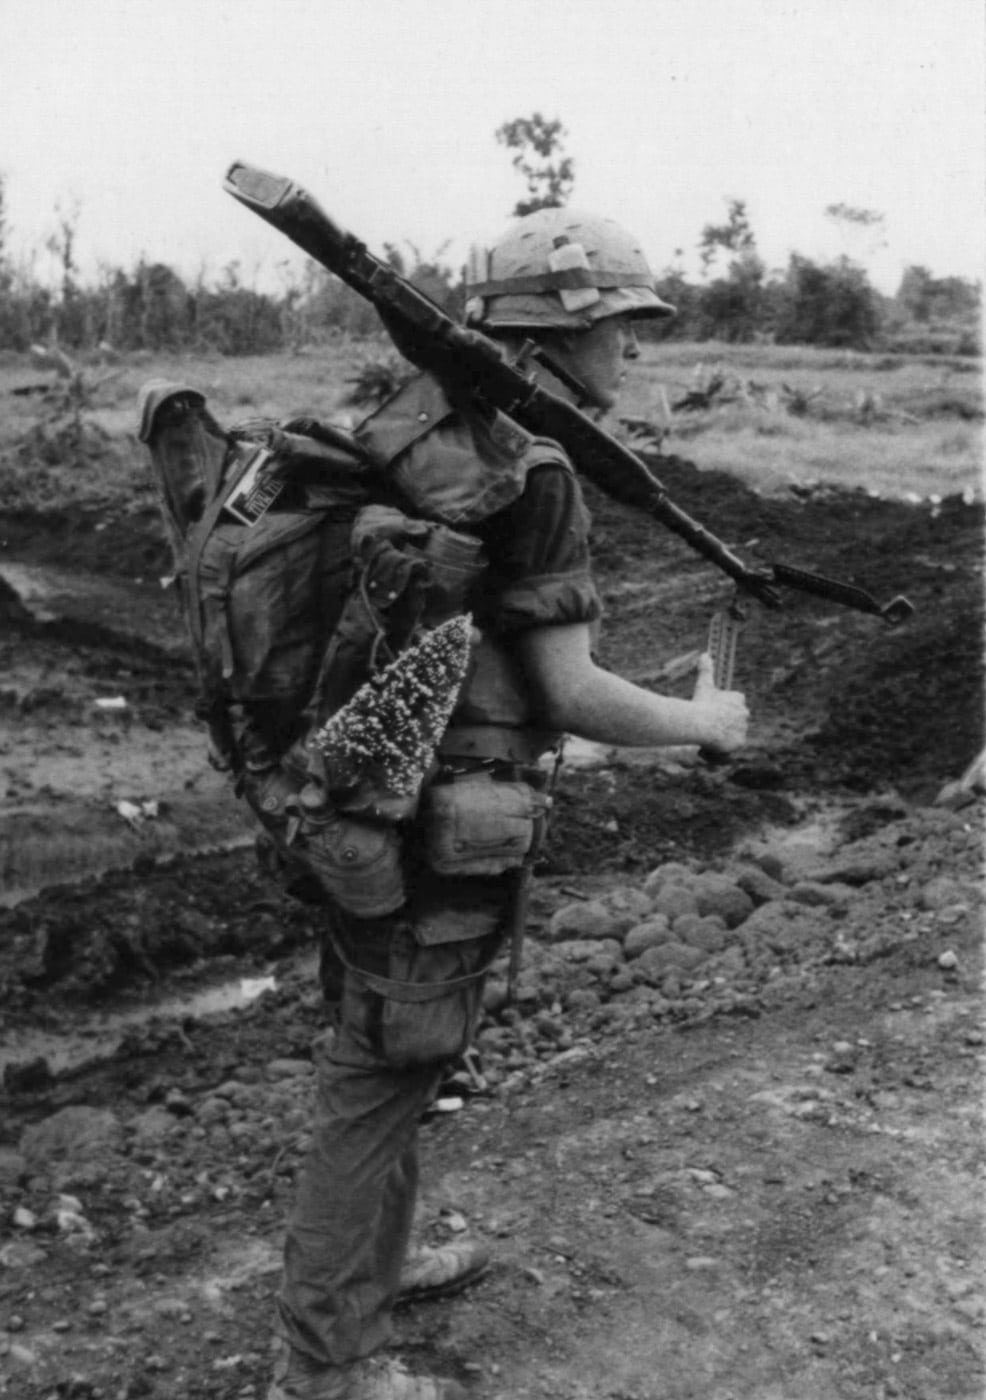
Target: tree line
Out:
[830,304]
[735,298]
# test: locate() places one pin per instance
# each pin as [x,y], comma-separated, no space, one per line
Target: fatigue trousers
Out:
[348,1233]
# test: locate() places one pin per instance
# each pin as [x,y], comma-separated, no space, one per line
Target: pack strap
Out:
[209,706]
[199,536]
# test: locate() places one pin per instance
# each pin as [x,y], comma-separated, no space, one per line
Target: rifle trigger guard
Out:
[760,585]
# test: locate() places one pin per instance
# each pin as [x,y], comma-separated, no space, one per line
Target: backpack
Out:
[300,576]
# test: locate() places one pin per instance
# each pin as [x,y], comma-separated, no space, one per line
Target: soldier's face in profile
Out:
[598,357]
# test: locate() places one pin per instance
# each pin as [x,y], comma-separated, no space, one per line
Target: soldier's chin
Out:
[598,403]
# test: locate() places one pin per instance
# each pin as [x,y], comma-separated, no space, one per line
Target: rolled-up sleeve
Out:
[539,547]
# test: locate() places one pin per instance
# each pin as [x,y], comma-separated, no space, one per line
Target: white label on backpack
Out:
[253,495]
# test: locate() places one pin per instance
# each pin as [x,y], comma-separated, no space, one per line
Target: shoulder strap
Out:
[199,534]
[417,408]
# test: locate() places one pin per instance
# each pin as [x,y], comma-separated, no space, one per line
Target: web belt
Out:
[496,741]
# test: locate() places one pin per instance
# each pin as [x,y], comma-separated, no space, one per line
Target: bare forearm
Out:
[580,698]
[606,708]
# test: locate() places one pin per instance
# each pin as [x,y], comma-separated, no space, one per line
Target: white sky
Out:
[129,112]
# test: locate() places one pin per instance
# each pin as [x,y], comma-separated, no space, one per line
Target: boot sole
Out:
[441,1290]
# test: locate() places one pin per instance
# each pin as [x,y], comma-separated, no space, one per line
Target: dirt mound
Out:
[114,539]
[841,705]
[874,706]
[840,702]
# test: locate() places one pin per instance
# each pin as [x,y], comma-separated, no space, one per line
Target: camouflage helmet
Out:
[560,269]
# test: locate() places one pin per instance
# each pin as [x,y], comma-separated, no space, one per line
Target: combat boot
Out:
[433,1272]
[378,1378]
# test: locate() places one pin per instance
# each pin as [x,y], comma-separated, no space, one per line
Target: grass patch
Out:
[910,462]
[923,438]
[910,429]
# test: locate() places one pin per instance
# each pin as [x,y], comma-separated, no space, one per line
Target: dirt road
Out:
[751,1169]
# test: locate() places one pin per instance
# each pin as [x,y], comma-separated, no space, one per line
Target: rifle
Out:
[473,365]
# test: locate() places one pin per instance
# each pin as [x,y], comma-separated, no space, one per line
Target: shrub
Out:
[831,305]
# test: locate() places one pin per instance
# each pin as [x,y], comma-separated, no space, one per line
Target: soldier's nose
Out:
[631,345]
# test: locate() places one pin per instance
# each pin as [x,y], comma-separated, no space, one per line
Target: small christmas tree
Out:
[384,740]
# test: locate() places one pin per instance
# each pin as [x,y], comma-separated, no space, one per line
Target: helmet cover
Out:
[561,269]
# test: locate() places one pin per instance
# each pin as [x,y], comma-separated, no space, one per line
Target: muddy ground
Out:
[755,1173]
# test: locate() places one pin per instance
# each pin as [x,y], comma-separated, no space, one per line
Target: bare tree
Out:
[540,158]
[734,236]
[864,227]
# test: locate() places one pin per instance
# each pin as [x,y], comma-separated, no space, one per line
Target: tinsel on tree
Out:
[386,736]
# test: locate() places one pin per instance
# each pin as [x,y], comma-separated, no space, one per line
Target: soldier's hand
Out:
[723,717]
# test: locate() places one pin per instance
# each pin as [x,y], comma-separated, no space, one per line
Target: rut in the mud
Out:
[841,704]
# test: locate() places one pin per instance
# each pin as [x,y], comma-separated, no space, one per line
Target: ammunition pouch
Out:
[478,824]
[355,863]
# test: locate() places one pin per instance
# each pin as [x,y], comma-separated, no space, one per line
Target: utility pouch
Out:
[448,977]
[426,1009]
[357,864]
[477,825]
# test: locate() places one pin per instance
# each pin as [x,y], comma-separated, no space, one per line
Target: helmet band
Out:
[564,279]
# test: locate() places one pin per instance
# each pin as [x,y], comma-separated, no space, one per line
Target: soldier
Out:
[408,985]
